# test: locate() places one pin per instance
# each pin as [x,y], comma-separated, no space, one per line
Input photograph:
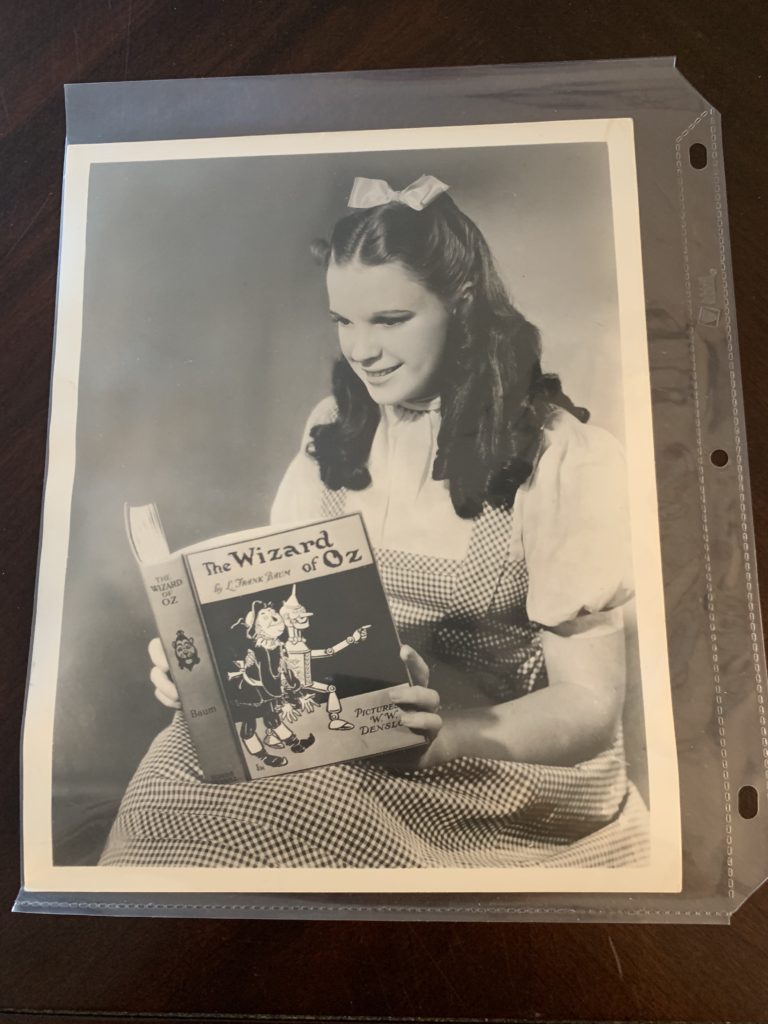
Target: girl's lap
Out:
[471,812]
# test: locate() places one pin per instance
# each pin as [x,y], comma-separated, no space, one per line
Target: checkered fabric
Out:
[468,619]
[471,812]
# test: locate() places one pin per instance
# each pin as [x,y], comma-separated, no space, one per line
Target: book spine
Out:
[193,671]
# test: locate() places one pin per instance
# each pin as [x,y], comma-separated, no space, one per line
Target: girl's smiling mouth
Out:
[379,374]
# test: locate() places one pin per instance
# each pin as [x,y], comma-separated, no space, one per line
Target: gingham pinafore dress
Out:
[468,619]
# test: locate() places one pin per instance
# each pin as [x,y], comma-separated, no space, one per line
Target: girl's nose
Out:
[363,347]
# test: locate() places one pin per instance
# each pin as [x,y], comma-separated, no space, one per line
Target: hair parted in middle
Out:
[494,396]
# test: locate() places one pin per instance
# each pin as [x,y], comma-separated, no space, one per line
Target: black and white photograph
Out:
[438,333]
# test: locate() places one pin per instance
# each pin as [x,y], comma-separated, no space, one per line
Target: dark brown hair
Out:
[494,396]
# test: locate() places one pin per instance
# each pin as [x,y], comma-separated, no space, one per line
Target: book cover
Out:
[289,649]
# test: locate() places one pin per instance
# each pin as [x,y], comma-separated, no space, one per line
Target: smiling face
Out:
[392,330]
[270,623]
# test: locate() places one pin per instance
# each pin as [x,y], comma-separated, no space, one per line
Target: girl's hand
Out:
[420,704]
[420,712]
[165,690]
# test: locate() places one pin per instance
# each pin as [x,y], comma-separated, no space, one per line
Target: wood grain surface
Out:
[147,969]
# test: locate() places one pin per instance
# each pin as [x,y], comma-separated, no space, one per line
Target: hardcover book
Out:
[281,645]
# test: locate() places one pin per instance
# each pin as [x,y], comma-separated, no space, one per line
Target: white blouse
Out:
[569,523]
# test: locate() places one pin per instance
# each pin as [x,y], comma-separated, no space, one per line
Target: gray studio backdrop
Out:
[206,343]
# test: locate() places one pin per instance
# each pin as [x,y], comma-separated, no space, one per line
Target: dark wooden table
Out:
[62,967]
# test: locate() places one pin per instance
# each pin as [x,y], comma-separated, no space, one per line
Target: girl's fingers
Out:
[422,721]
[163,684]
[168,701]
[417,667]
[157,654]
[419,697]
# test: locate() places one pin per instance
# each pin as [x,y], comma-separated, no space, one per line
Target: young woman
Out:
[499,523]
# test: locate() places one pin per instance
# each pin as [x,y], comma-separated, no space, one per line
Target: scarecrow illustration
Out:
[300,658]
[263,686]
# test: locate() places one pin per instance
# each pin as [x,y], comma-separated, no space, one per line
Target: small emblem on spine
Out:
[185,650]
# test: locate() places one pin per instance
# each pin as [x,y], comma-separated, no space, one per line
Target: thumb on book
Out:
[417,667]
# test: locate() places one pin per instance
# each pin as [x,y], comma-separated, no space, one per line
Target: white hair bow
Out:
[368,192]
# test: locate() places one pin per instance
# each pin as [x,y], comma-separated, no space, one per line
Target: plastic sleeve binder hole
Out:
[697,154]
[719,458]
[748,802]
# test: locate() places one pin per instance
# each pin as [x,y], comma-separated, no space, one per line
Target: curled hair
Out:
[494,396]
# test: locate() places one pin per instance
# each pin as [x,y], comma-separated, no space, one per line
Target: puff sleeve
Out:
[299,494]
[571,525]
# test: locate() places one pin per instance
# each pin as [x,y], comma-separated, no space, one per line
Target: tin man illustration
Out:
[301,657]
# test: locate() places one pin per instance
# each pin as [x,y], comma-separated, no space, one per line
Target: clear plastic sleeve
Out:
[713,632]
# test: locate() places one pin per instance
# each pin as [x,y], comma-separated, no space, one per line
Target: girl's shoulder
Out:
[326,411]
[299,494]
[565,438]
[570,523]
[579,474]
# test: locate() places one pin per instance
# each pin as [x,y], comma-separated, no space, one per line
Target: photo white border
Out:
[664,870]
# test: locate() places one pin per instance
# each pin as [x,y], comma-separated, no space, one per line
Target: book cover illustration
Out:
[274,681]
[284,658]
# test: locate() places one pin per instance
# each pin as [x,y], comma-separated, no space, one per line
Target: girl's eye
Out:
[393,321]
